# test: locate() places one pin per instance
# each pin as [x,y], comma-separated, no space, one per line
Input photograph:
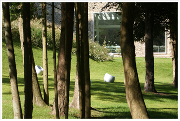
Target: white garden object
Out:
[109,78]
[39,69]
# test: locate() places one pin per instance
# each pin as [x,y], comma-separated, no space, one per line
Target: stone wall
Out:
[140,48]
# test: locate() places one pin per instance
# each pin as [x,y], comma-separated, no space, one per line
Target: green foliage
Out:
[98,52]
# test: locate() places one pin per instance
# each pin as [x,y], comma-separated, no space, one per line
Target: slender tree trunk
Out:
[75,101]
[68,47]
[174,60]
[21,35]
[45,59]
[132,87]
[61,66]
[12,65]
[86,63]
[28,105]
[37,97]
[80,58]
[149,57]
[54,61]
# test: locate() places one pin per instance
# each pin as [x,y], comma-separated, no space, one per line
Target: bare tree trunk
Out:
[68,48]
[28,105]
[54,60]
[174,61]
[86,63]
[149,57]
[80,58]
[75,101]
[12,65]
[37,97]
[45,59]
[21,35]
[61,67]
[132,87]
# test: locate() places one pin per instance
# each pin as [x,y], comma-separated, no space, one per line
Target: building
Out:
[104,27]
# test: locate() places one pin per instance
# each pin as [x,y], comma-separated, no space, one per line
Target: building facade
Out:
[104,27]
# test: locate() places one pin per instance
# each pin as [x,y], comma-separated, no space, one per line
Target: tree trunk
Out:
[54,61]
[61,67]
[37,97]
[21,35]
[45,59]
[174,61]
[132,87]
[75,101]
[68,48]
[86,63]
[12,65]
[80,58]
[149,58]
[28,105]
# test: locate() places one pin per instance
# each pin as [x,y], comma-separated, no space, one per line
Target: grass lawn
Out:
[108,100]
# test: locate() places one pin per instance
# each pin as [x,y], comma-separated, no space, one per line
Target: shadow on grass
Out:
[155,113]
[108,91]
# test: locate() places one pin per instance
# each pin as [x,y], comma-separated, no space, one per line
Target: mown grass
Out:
[108,100]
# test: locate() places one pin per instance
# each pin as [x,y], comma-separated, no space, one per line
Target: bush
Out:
[98,52]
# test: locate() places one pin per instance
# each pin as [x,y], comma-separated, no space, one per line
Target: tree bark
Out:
[80,58]
[75,101]
[12,65]
[54,61]
[174,60]
[45,59]
[68,48]
[28,105]
[132,87]
[149,57]
[86,63]
[37,97]
[61,66]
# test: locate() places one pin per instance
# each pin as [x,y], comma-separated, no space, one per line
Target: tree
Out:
[86,63]
[12,65]
[54,61]
[45,59]
[68,47]
[28,106]
[149,58]
[172,25]
[37,97]
[80,58]
[132,87]
[61,66]
[75,100]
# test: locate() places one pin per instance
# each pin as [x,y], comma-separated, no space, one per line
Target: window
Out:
[159,44]
[107,30]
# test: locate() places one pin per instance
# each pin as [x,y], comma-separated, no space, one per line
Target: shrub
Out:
[98,52]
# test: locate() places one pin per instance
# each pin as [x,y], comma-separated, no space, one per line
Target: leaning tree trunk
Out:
[149,57]
[37,97]
[132,87]
[45,59]
[12,65]
[28,105]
